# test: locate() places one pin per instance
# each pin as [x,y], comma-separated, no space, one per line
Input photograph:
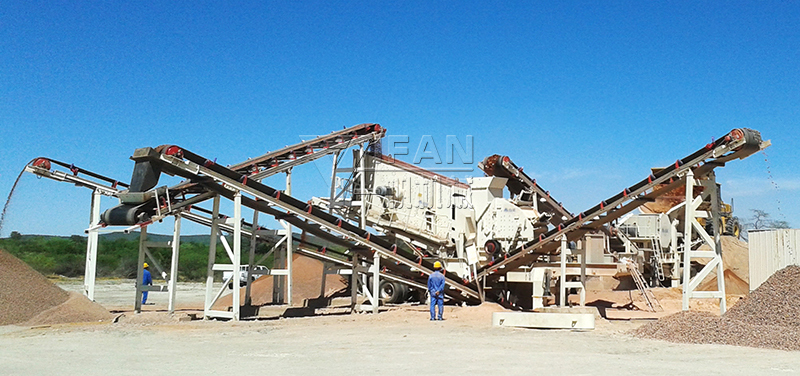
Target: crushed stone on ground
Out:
[769,317]
[28,298]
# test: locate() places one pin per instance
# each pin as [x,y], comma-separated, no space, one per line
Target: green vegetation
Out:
[116,256]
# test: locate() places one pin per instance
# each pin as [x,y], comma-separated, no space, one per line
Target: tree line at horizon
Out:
[116,258]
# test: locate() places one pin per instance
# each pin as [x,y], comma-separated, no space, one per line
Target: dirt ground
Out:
[398,341]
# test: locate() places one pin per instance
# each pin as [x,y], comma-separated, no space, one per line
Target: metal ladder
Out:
[638,279]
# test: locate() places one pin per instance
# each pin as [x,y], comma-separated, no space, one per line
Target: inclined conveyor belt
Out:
[178,161]
[521,184]
[739,143]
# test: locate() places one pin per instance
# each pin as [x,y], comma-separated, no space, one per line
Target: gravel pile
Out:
[28,298]
[775,302]
[769,317]
[24,293]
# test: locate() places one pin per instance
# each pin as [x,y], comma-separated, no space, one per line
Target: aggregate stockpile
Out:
[306,284]
[28,298]
[735,257]
[769,317]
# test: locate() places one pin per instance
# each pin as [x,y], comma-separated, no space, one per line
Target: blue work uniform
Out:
[436,291]
[147,280]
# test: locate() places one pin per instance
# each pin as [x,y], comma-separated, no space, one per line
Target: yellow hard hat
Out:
[146,265]
[437,265]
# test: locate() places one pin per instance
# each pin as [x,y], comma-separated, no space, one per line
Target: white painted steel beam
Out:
[212,256]
[90,272]
[173,270]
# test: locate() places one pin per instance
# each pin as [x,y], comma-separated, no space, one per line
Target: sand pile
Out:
[28,297]
[736,260]
[24,293]
[77,308]
[307,284]
[769,317]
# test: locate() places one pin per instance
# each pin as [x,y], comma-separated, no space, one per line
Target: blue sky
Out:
[587,96]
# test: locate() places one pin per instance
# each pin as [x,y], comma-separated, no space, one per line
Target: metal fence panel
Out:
[770,251]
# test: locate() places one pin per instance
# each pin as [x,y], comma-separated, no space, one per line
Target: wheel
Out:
[392,292]
[732,227]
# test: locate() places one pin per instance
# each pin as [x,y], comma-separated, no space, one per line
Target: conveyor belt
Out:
[306,216]
[521,184]
[739,143]
[130,213]
[43,167]
[283,159]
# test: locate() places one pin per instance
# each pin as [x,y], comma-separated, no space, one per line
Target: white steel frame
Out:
[690,252]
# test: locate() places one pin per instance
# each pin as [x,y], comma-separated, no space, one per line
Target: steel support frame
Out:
[690,252]
[90,272]
[371,293]
[171,278]
[639,195]
[283,285]
[564,285]
[211,297]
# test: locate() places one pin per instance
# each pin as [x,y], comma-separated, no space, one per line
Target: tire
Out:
[732,227]
[392,292]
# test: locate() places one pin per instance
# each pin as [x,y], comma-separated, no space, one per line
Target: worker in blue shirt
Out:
[436,291]
[147,280]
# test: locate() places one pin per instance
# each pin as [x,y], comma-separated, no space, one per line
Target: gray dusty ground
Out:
[119,294]
[345,345]
[401,341]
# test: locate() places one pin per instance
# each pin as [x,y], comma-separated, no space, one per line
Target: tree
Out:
[761,220]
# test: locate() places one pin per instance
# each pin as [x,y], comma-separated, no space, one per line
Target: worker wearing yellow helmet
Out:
[147,280]
[436,291]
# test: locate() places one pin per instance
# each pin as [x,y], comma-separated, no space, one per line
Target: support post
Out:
[173,270]
[212,258]
[331,203]
[583,275]
[90,272]
[711,185]
[354,284]
[237,253]
[140,273]
[362,178]
[289,243]
[376,282]
[687,238]
[673,250]
[251,259]
[562,287]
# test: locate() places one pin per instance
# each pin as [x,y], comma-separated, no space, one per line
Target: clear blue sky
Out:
[586,95]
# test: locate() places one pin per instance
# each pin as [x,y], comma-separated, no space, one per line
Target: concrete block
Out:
[541,320]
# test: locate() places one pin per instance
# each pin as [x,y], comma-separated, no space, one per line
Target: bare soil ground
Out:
[400,341]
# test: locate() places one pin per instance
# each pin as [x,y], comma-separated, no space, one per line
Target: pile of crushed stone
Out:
[306,284]
[28,298]
[769,317]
